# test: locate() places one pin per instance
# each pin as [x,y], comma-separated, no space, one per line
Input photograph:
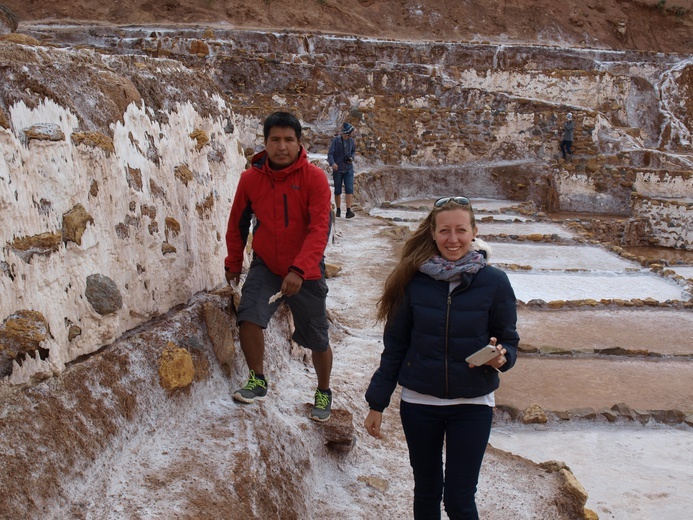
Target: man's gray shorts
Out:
[308,307]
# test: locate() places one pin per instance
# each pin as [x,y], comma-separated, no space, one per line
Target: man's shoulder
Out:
[250,172]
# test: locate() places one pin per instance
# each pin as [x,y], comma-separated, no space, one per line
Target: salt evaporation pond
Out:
[655,483]
[599,274]
[577,286]
[685,271]
[414,217]
[522,229]
[560,257]
[558,272]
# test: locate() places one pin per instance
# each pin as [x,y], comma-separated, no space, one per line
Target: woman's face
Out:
[453,233]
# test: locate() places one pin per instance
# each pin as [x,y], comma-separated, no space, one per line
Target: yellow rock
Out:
[534,415]
[176,368]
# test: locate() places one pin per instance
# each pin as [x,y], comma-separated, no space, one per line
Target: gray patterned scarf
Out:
[439,268]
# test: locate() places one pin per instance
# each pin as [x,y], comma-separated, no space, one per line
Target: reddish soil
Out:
[639,24]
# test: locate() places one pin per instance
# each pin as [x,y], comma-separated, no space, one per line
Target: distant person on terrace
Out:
[442,303]
[288,199]
[341,159]
[567,142]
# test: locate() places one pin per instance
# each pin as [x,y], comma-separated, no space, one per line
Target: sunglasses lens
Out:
[462,201]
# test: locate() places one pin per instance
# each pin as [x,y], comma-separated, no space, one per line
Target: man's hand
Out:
[335,167]
[232,277]
[291,284]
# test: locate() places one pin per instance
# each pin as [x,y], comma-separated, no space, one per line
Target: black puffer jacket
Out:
[427,340]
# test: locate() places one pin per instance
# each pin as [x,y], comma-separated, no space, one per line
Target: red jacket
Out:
[292,208]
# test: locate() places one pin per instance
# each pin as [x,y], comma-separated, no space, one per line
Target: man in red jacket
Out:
[289,200]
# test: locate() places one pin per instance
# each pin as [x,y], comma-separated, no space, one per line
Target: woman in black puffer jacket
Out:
[442,303]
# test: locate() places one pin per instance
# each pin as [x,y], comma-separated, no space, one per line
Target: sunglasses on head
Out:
[462,201]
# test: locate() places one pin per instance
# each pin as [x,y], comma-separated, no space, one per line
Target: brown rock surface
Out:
[75,223]
[222,334]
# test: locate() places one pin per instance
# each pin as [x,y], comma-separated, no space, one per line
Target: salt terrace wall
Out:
[671,221]
[665,197]
[430,102]
[105,226]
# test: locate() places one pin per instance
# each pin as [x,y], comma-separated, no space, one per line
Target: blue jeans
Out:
[343,177]
[466,429]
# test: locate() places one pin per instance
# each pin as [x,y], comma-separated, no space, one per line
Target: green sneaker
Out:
[323,404]
[254,390]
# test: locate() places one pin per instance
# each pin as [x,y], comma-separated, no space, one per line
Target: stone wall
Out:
[671,221]
[102,232]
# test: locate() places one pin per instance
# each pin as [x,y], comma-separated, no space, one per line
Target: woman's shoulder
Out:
[494,273]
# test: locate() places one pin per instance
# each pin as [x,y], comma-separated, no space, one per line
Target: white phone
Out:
[483,355]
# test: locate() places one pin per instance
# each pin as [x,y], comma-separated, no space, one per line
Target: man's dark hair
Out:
[282,120]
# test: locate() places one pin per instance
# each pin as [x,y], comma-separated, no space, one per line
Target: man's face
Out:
[282,147]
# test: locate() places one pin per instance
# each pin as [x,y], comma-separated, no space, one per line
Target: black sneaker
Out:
[323,405]
[339,212]
[350,214]
[254,390]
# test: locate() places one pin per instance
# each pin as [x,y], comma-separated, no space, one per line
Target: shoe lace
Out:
[322,400]
[254,381]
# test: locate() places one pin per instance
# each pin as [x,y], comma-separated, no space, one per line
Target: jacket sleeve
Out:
[330,154]
[238,228]
[396,341]
[503,320]
[319,209]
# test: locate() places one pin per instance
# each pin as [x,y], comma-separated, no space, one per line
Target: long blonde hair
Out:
[417,249]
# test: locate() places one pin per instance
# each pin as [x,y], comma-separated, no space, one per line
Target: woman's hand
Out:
[500,359]
[373,422]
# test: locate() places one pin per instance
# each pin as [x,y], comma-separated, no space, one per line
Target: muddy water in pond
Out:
[614,380]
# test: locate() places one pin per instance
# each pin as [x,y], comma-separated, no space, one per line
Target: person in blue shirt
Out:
[341,159]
